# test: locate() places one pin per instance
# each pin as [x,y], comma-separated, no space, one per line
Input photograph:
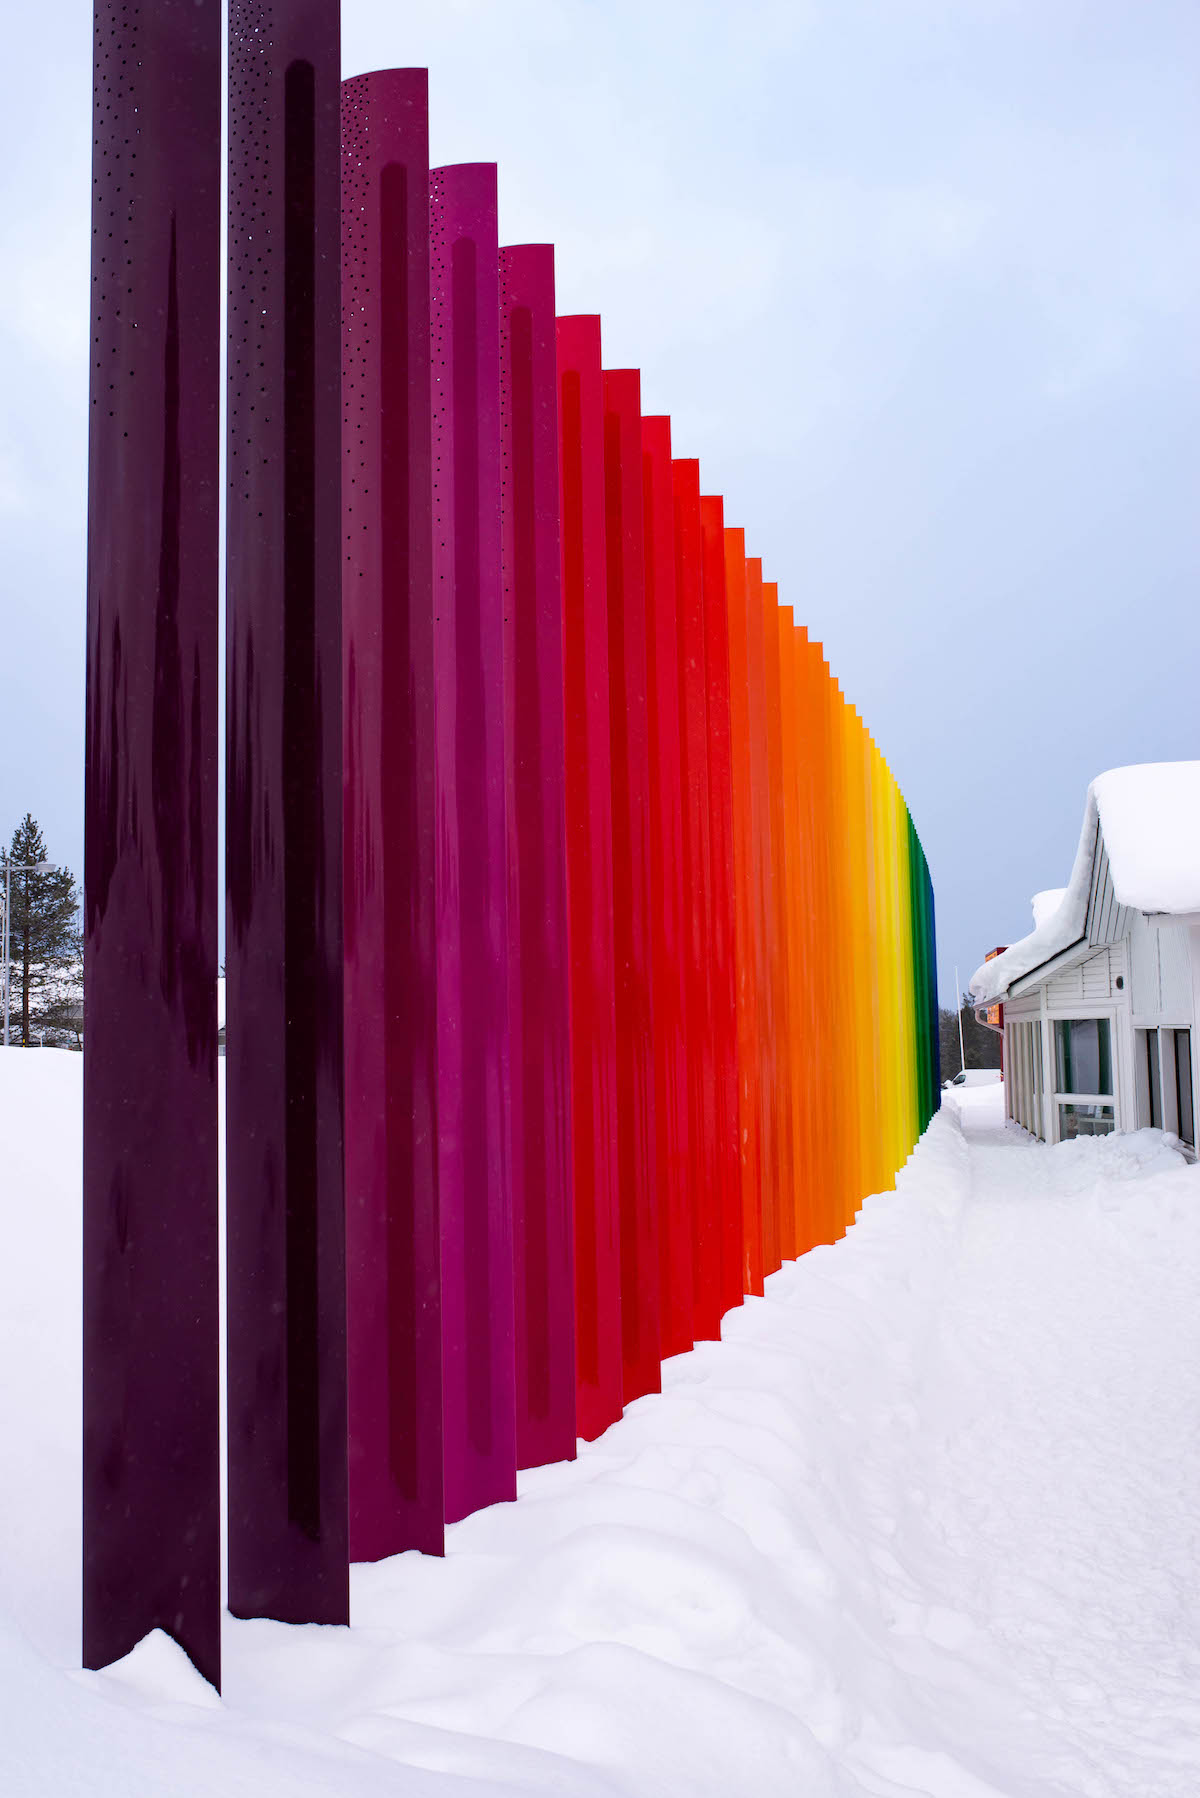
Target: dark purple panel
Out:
[151,1494]
[474,1196]
[393,1279]
[286,1227]
[539,1001]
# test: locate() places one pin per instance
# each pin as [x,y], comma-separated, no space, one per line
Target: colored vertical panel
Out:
[672,1043]
[638,1179]
[393,1254]
[722,938]
[825,940]
[474,1195]
[777,925]
[286,1220]
[151,1521]
[539,999]
[844,911]
[704,1193]
[794,900]
[745,907]
[590,878]
[760,801]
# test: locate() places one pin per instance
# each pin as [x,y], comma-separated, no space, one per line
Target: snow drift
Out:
[922,1524]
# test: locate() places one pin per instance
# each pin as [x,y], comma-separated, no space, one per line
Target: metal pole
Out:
[7,944]
[962,1054]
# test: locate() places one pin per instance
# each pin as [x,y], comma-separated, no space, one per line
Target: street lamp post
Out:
[11,868]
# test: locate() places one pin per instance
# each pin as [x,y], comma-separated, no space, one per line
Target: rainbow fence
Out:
[580,943]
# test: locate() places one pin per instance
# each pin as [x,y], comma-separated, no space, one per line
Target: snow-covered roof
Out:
[1149,819]
[1045,904]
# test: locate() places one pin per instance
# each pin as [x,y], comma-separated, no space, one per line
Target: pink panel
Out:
[472,914]
[539,999]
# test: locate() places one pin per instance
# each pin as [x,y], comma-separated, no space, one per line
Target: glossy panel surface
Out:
[777,925]
[539,993]
[672,1046]
[474,1193]
[286,1221]
[393,1248]
[151,1536]
[590,877]
[746,969]
[763,911]
[702,1100]
[722,933]
[638,1179]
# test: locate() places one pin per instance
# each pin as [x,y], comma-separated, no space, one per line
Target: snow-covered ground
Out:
[927,1522]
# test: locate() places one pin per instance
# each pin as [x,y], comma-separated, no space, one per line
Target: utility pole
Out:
[11,868]
[962,1054]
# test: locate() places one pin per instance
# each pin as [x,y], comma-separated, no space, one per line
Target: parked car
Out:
[975,1077]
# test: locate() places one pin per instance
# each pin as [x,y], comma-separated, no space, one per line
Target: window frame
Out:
[1079,1014]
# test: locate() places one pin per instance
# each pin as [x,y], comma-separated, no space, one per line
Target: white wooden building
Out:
[1100,1000]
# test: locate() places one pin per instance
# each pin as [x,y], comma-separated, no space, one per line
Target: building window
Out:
[1083,1055]
[1183,1087]
[1153,1079]
[1084,1120]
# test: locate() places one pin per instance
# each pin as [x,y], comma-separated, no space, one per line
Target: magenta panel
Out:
[393,1251]
[590,878]
[638,1176]
[539,1005]
[285,1217]
[151,1490]
[471,877]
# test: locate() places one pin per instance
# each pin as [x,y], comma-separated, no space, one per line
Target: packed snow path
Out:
[925,1525]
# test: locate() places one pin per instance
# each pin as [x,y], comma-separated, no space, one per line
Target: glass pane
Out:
[1083,1052]
[1084,1120]
[1183,1085]
[1154,1079]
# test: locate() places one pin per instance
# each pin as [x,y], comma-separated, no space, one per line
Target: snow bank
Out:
[833,1558]
[1149,818]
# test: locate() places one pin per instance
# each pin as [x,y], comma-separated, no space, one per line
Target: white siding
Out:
[1090,982]
[1146,993]
[1160,974]
[1175,974]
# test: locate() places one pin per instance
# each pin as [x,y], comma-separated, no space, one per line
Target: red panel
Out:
[590,878]
[702,1113]
[760,800]
[722,940]
[539,998]
[749,1105]
[671,1031]
[637,1170]
[777,927]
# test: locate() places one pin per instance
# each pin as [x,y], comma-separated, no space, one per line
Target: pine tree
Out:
[45,944]
[982,1045]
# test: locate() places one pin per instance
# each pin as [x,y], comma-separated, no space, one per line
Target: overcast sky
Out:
[915,279]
